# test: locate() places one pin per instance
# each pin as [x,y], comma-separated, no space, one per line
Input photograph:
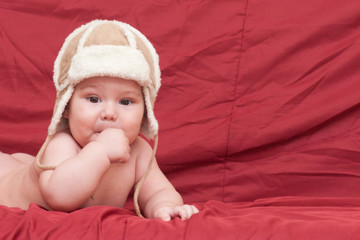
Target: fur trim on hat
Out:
[112,61]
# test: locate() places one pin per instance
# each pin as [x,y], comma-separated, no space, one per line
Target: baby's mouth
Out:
[97,132]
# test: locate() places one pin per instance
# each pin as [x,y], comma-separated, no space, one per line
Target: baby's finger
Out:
[163,215]
[185,212]
[194,209]
[182,212]
[191,210]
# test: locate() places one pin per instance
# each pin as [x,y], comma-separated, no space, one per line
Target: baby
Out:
[107,77]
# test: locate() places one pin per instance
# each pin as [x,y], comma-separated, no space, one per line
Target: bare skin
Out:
[99,158]
[19,183]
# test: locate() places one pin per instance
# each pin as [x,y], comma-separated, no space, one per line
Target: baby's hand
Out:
[184,212]
[115,143]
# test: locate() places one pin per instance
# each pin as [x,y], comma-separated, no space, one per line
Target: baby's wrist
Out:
[97,149]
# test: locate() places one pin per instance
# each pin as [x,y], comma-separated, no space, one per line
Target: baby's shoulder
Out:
[61,144]
[142,157]
[62,138]
[141,147]
[142,151]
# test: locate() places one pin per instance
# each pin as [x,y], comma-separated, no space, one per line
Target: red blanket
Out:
[259,115]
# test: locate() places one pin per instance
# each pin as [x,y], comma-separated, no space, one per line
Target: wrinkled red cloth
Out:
[272,218]
[259,114]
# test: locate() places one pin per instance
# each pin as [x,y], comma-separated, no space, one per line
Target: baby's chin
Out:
[82,143]
[94,136]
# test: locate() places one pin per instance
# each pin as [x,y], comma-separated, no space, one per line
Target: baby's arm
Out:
[78,171]
[157,197]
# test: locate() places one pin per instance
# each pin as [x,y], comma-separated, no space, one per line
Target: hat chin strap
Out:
[139,184]
[40,154]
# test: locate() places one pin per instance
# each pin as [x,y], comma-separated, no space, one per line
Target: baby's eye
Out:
[125,102]
[93,99]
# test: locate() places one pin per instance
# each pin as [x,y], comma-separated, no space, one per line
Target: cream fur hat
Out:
[106,48]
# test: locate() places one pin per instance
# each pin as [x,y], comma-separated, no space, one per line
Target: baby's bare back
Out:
[19,181]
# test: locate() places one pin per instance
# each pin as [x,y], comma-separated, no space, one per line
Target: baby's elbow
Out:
[59,206]
[57,202]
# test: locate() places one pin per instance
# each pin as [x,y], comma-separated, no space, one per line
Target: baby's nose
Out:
[109,113]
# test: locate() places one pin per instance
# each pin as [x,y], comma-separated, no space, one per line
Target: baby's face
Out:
[99,103]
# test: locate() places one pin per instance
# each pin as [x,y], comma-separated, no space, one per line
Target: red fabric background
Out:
[259,114]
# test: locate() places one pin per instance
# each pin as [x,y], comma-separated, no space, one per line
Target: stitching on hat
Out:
[86,34]
[129,35]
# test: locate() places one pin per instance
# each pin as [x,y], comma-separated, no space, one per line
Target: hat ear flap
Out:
[58,122]
[66,112]
[150,126]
